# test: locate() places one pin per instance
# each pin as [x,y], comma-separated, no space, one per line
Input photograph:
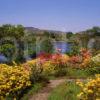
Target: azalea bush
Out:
[86,58]
[96,59]
[60,61]
[53,63]
[90,90]
[36,70]
[48,68]
[82,60]
[94,65]
[13,79]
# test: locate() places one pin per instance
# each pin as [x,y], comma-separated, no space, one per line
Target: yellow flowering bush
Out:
[37,69]
[48,67]
[30,64]
[13,79]
[94,65]
[90,90]
[86,63]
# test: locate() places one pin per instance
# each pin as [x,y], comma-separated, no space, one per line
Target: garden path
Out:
[44,93]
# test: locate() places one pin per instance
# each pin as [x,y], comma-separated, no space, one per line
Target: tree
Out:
[46,34]
[15,32]
[52,35]
[8,50]
[96,31]
[69,35]
[74,47]
[47,46]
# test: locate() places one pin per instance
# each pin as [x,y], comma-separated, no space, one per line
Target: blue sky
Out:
[64,15]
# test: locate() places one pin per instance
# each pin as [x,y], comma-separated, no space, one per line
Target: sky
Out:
[63,15]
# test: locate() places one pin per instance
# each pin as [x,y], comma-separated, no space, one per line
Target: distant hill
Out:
[32,29]
[37,30]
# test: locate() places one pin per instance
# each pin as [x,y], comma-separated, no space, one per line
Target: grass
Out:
[77,73]
[34,89]
[72,73]
[65,91]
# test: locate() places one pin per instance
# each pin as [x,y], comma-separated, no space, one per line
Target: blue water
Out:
[64,46]
[3,58]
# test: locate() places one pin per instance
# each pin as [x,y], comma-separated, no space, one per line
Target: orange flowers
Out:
[75,59]
[82,60]
[85,53]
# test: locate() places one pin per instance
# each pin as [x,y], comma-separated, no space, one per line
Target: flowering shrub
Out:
[85,53]
[82,60]
[59,59]
[90,90]
[48,67]
[86,63]
[39,69]
[29,64]
[59,62]
[75,59]
[46,56]
[94,65]
[13,79]
[52,62]
[96,59]
[86,58]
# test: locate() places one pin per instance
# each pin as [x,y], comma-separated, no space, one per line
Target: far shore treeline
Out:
[19,43]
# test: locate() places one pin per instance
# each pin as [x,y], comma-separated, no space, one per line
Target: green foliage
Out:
[93,70]
[47,46]
[95,31]
[34,89]
[60,72]
[65,91]
[8,50]
[74,47]
[12,32]
[37,74]
[52,35]
[46,34]
[77,73]
[69,35]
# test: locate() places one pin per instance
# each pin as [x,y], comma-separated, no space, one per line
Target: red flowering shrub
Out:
[45,56]
[82,60]
[75,59]
[56,58]
[59,59]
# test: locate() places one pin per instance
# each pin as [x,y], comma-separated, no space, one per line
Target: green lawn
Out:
[65,91]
